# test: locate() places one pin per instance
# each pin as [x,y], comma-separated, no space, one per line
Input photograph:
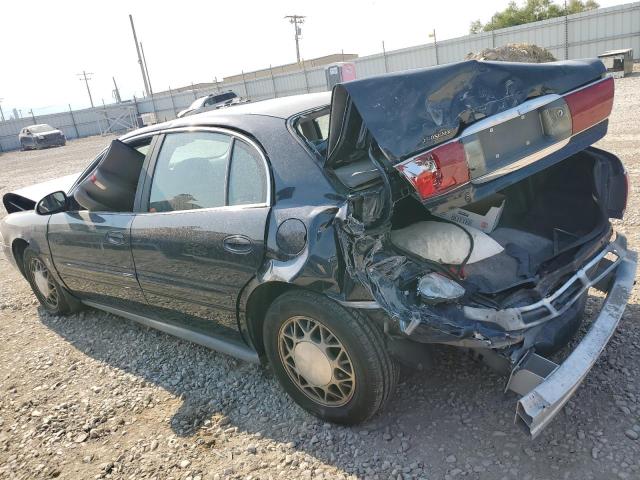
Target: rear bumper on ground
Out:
[545,386]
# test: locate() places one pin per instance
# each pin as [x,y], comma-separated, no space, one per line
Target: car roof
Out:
[283,108]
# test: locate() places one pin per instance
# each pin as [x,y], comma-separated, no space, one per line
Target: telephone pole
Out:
[116,91]
[146,68]
[135,39]
[296,20]
[86,81]
[435,44]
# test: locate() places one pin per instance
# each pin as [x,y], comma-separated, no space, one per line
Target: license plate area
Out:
[514,142]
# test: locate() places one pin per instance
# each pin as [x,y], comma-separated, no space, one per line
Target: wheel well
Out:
[18,247]
[258,304]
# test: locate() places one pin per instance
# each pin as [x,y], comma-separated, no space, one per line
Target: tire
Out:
[57,301]
[303,333]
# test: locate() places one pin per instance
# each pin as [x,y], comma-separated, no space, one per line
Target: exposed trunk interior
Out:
[545,218]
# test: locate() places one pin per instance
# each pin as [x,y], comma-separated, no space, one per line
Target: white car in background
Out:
[210,102]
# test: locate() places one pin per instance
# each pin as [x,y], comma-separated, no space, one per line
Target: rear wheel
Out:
[332,362]
[53,298]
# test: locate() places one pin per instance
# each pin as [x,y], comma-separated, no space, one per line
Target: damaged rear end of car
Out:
[478,214]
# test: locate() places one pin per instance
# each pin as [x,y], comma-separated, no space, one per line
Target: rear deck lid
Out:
[468,122]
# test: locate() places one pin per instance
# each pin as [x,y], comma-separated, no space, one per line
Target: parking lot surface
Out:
[96,396]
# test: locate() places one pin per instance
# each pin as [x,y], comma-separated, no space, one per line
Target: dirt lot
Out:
[96,396]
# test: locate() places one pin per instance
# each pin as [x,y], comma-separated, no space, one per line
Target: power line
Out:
[86,79]
[296,20]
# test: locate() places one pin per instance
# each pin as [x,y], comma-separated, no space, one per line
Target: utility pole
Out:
[86,81]
[296,20]
[435,44]
[146,68]
[116,91]
[1,112]
[135,39]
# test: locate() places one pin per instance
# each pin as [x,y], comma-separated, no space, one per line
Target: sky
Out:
[45,44]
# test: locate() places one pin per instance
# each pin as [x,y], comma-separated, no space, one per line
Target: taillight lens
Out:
[590,105]
[437,170]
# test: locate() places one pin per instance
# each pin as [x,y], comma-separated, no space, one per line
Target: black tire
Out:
[64,303]
[374,372]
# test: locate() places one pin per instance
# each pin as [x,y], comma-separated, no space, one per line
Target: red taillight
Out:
[590,105]
[437,170]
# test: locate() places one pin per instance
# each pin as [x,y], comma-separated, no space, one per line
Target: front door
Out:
[91,252]
[202,236]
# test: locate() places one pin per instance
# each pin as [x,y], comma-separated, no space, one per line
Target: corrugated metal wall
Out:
[578,36]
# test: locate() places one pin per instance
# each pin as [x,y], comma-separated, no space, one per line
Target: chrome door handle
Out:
[114,238]
[237,244]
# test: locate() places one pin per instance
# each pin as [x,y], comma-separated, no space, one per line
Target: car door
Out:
[202,237]
[92,253]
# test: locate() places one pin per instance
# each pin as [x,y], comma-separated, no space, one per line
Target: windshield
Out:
[41,128]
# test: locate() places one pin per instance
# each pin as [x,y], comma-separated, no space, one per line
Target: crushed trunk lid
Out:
[467,123]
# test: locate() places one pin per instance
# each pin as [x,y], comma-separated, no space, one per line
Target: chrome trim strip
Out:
[214,343]
[360,305]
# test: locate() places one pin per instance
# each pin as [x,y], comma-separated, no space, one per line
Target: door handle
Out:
[237,244]
[114,238]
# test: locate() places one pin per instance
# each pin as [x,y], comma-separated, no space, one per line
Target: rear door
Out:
[202,237]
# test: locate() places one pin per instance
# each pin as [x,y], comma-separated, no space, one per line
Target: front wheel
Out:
[49,293]
[331,361]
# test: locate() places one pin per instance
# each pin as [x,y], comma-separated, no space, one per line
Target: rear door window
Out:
[190,172]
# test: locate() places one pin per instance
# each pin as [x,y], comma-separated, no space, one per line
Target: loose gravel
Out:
[96,396]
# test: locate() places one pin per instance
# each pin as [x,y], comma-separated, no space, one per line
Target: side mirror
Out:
[53,203]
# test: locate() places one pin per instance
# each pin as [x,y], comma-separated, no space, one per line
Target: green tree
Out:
[531,11]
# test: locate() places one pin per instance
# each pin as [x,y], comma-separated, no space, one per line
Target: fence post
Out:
[193,90]
[306,80]
[73,120]
[384,54]
[566,34]
[244,82]
[273,83]
[175,112]
[215,79]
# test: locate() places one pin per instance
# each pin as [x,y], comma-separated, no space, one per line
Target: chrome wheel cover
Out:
[43,282]
[316,361]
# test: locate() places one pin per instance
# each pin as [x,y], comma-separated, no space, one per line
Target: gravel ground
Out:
[96,396]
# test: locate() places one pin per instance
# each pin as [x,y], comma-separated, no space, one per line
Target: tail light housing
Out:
[499,144]
[591,104]
[437,170]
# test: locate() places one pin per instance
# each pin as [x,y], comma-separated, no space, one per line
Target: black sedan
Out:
[41,136]
[336,235]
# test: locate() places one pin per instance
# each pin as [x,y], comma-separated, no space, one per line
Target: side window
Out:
[247,176]
[190,172]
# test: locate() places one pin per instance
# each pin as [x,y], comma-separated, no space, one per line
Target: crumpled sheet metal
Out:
[410,111]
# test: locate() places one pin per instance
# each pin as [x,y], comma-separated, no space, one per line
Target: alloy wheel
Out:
[316,361]
[43,282]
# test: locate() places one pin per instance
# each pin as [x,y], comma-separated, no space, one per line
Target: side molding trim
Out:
[214,343]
